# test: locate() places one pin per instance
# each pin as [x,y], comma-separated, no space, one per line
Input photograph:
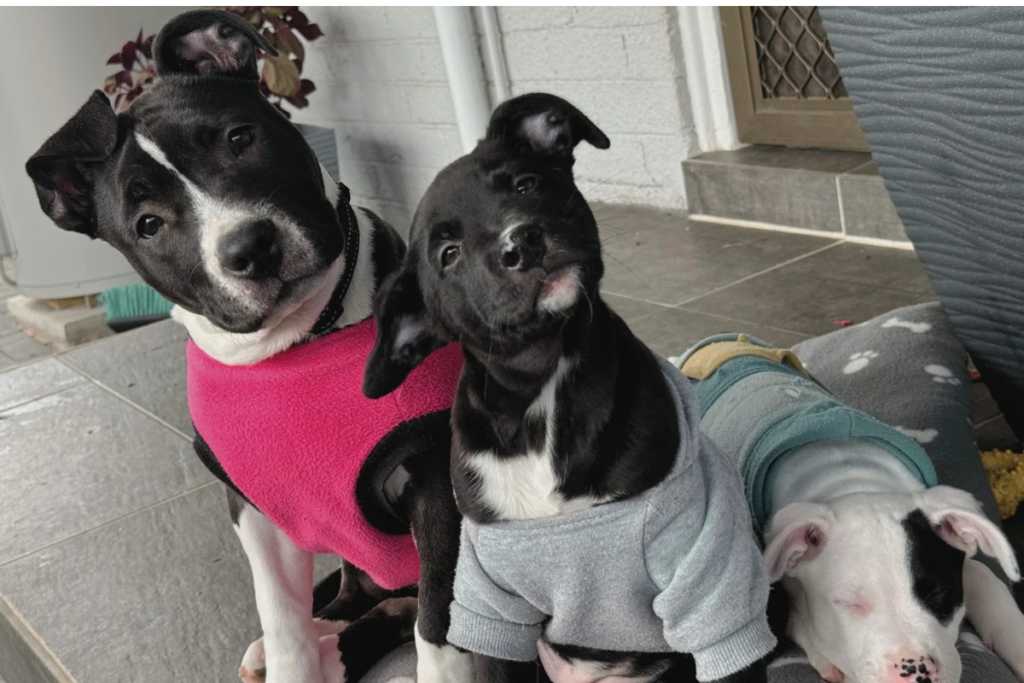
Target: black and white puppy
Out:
[560,407]
[220,205]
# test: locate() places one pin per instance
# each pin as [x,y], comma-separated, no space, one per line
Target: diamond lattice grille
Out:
[794,58]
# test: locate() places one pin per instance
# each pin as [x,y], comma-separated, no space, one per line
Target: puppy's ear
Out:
[404,335]
[63,167]
[544,123]
[209,43]
[956,517]
[798,532]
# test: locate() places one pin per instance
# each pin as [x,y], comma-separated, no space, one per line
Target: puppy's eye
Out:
[449,255]
[148,226]
[526,183]
[240,138]
[853,607]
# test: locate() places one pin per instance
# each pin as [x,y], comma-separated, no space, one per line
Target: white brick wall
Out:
[381,85]
[620,66]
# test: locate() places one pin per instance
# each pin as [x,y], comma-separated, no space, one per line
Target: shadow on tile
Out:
[996,434]
[984,406]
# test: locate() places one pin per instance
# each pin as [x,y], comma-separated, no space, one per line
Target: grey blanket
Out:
[907,369]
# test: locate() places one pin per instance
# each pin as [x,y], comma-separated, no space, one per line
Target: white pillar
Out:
[465,72]
[493,53]
[707,79]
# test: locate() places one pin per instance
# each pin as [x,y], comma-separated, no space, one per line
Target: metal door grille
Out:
[794,58]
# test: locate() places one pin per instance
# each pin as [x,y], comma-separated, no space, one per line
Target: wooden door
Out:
[786,87]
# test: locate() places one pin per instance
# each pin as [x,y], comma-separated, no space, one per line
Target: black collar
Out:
[334,308]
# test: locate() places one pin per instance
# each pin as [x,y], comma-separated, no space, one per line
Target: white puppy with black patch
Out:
[874,555]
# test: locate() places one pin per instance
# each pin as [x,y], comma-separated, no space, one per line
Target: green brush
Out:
[133,305]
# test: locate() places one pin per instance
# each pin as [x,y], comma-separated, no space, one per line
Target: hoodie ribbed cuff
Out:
[736,651]
[492,637]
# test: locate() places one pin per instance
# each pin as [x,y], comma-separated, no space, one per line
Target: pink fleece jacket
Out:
[292,433]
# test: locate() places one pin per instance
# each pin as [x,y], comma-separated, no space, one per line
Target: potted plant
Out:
[281,76]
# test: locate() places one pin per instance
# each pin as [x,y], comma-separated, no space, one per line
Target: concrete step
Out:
[813,191]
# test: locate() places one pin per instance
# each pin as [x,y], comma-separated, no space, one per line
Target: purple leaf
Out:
[146,47]
[310,31]
[128,55]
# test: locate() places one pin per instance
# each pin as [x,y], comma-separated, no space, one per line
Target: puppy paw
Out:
[254,664]
[331,666]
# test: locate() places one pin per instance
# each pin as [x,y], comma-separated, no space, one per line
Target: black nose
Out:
[523,248]
[251,251]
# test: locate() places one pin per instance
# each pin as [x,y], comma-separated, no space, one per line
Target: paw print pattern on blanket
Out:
[916,328]
[859,361]
[941,374]
[919,435]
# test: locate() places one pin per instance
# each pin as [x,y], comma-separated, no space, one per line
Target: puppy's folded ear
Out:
[956,517]
[209,43]
[797,533]
[544,123]
[404,336]
[63,167]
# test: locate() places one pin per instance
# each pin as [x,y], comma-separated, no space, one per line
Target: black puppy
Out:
[219,203]
[563,420]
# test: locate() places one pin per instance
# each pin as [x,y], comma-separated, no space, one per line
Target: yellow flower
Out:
[1006,477]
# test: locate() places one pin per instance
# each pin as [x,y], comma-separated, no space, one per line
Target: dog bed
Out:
[907,369]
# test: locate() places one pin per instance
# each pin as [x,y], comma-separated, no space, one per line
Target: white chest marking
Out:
[526,486]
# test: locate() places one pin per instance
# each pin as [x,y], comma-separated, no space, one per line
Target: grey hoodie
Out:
[673,569]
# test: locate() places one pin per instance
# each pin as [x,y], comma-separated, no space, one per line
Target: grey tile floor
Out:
[117,549]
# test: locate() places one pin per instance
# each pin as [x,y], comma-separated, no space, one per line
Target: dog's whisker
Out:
[603,182]
[631,271]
